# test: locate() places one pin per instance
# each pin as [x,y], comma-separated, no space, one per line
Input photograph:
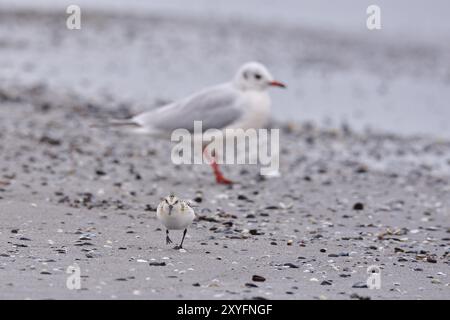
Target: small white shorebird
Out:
[242,103]
[175,214]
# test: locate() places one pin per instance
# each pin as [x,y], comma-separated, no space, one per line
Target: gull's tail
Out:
[128,125]
[114,123]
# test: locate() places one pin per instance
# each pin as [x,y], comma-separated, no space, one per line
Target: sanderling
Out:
[175,214]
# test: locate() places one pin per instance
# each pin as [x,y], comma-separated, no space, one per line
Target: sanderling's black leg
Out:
[168,241]
[181,244]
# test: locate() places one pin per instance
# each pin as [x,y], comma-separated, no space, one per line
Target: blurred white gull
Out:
[242,103]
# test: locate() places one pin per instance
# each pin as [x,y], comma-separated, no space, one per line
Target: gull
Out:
[242,103]
[175,214]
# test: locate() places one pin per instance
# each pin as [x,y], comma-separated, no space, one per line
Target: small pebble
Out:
[257,278]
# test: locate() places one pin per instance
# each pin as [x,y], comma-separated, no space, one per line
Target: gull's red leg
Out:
[219,176]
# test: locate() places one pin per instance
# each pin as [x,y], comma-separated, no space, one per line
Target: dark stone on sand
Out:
[361,169]
[50,141]
[100,172]
[257,278]
[360,285]
[157,264]
[259,298]
[357,296]
[358,206]
[150,208]
[255,232]
[242,197]
[291,265]
[251,285]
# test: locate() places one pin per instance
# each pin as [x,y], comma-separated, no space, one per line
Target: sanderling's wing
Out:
[216,107]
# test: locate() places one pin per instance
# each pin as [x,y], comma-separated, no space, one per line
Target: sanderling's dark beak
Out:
[170,209]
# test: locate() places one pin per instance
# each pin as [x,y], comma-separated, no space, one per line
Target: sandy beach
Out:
[72,194]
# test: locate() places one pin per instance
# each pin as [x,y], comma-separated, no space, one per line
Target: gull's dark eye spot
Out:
[257,76]
[245,75]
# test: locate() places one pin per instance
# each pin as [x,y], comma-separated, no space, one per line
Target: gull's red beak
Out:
[277,84]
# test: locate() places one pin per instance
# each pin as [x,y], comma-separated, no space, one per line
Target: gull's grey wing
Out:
[216,107]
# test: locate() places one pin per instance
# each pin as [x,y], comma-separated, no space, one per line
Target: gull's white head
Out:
[255,76]
[171,204]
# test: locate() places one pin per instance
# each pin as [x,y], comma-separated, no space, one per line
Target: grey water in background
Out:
[396,79]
